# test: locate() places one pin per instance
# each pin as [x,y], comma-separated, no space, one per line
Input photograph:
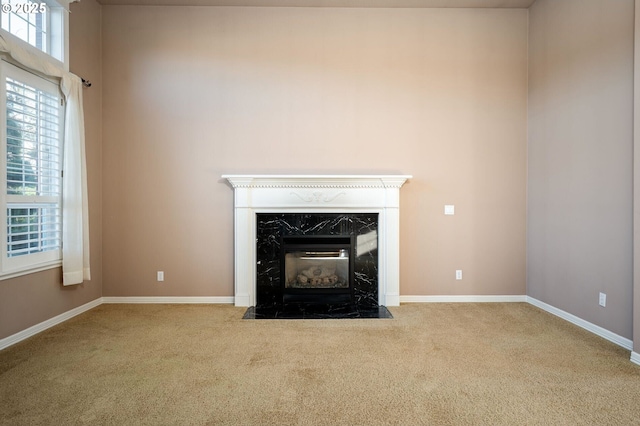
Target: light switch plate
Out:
[449,209]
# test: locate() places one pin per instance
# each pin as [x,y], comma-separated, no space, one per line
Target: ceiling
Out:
[520,4]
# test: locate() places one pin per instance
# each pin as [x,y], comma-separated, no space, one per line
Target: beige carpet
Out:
[460,364]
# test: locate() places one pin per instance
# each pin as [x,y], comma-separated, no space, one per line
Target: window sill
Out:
[31,269]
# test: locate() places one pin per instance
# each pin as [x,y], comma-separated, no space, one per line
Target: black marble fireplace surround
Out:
[273,228]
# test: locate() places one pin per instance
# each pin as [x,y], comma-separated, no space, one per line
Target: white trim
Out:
[463,299]
[595,329]
[30,262]
[33,330]
[317,181]
[170,300]
[30,270]
[59,319]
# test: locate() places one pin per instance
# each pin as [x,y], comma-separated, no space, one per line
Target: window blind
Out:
[33,169]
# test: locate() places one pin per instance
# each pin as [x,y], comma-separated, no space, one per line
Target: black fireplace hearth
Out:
[315,311]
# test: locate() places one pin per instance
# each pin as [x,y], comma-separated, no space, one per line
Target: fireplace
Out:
[317,269]
[276,215]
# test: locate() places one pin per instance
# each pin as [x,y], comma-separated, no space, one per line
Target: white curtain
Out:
[75,212]
[75,209]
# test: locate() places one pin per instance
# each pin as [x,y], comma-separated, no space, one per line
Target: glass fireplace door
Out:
[317,269]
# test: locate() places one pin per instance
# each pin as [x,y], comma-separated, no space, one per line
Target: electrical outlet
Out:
[458,274]
[449,209]
[160,276]
[602,301]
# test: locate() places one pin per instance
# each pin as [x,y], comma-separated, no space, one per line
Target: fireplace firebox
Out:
[317,269]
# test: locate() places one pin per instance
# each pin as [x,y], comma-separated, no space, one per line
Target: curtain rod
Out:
[86,83]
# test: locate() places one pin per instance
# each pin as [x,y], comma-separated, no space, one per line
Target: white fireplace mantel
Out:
[317,194]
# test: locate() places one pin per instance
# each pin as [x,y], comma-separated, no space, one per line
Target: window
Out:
[40,24]
[32,160]
[29,22]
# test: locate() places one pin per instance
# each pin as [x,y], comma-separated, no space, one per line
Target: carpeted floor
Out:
[439,364]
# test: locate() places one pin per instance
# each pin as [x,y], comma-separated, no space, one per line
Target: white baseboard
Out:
[606,334]
[33,330]
[463,299]
[25,334]
[171,300]
[595,329]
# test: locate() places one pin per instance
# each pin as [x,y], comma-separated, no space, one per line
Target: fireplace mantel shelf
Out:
[316,181]
[316,194]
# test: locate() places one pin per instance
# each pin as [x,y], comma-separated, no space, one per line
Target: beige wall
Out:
[195,92]
[31,299]
[636,182]
[580,158]
[441,94]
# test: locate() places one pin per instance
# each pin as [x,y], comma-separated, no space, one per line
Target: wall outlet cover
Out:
[602,300]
